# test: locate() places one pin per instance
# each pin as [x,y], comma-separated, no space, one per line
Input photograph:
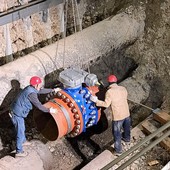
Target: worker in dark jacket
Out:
[22,105]
[116,97]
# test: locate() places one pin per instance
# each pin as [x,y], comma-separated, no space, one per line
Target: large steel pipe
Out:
[39,158]
[69,118]
[82,47]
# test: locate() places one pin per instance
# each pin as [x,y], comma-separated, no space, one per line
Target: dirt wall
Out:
[151,51]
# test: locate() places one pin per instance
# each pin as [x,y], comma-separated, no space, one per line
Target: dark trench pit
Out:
[113,63]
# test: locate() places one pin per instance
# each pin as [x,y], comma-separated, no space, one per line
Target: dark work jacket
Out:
[22,105]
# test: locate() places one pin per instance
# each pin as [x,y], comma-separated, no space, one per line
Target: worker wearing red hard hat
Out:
[116,97]
[22,105]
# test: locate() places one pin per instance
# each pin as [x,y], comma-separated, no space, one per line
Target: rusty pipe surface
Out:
[69,119]
[81,47]
[39,158]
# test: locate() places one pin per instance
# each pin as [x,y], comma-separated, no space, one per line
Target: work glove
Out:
[53,111]
[57,89]
[94,98]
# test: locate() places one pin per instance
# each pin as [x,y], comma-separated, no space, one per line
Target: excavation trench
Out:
[103,58]
[49,125]
[53,126]
[47,61]
[89,144]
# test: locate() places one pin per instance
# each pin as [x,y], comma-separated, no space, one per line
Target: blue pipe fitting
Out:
[81,95]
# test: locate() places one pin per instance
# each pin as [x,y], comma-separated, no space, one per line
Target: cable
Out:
[65,29]
[78,16]
[74,18]
[80,28]
[56,53]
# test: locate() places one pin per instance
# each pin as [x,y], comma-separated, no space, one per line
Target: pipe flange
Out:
[67,100]
[59,94]
[62,96]
[50,96]
[74,110]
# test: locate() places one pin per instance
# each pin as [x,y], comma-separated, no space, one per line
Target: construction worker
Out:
[116,97]
[22,105]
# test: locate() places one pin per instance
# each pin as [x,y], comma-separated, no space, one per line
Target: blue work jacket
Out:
[22,105]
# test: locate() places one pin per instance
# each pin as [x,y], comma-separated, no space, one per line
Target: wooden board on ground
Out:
[161,117]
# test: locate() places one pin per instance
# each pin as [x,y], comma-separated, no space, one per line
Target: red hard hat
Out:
[35,80]
[112,78]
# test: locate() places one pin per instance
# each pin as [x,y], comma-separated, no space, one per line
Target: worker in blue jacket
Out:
[20,109]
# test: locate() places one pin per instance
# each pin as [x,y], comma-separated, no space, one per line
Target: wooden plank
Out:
[161,117]
[150,128]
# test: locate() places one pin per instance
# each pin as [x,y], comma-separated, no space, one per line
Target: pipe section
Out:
[39,158]
[73,115]
[80,48]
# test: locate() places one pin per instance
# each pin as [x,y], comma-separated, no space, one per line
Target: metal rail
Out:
[167,125]
[155,142]
[26,10]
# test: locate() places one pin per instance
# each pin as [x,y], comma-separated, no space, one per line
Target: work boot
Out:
[26,143]
[126,140]
[117,153]
[21,154]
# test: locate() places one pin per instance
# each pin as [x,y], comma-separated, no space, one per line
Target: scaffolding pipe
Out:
[144,150]
[167,125]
